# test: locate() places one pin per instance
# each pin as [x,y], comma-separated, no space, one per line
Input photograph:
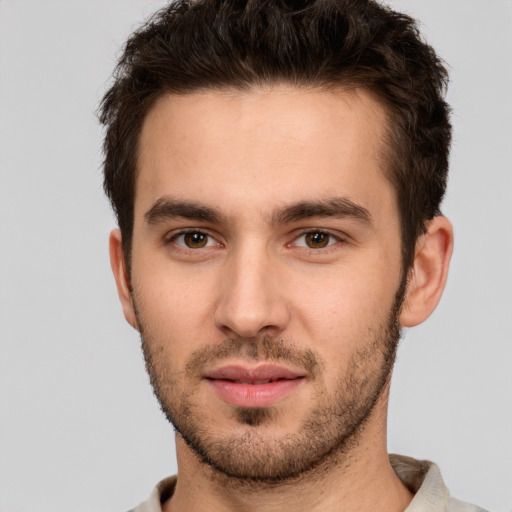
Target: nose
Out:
[251,301]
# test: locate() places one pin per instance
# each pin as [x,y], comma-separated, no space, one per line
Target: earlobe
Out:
[429,272]
[120,271]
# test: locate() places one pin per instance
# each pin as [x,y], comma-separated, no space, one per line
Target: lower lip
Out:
[254,395]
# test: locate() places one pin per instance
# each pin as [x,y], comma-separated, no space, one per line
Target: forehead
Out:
[262,147]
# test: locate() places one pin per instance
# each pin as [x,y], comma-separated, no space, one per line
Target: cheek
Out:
[175,307]
[341,309]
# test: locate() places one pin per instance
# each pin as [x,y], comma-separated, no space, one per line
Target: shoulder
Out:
[461,506]
[424,479]
[161,492]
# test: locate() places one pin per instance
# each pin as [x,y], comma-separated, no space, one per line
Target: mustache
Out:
[266,348]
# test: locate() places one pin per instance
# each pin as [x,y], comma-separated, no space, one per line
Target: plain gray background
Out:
[80,429]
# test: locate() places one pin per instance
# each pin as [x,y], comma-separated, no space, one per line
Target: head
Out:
[276,170]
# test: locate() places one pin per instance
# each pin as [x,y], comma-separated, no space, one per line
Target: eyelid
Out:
[337,236]
[172,236]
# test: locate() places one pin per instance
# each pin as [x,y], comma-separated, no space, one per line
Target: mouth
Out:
[261,386]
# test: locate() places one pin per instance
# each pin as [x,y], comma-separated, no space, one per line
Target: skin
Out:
[249,156]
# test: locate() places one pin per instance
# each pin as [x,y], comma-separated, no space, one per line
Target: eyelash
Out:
[332,240]
[182,233]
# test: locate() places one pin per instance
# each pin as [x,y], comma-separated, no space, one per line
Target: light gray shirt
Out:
[422,477]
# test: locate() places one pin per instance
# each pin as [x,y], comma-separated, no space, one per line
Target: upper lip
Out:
[261,373]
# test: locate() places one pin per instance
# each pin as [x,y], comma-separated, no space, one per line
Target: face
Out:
[266,273]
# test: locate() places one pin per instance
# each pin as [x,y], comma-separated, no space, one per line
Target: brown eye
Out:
[195,240]
[317,240]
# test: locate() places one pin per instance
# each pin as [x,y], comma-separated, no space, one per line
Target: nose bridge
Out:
[250,299]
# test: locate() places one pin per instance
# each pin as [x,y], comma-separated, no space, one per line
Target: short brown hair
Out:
[203,44]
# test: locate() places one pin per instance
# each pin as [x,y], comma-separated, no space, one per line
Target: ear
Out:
[427,277]
[120,271]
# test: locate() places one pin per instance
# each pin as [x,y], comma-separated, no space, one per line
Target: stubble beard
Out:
[328,433]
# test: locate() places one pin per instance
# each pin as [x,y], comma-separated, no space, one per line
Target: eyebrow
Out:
[338,207]
[168,208]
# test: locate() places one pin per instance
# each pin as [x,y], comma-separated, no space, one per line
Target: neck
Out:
[358,478]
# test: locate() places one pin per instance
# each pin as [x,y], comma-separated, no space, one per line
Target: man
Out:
[277,170]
